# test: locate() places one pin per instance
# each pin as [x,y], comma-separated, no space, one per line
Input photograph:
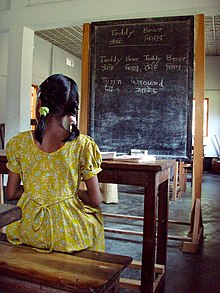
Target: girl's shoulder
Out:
[21,138]
[85,139]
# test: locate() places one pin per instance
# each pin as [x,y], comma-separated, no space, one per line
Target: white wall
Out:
[3,73]
[212,91]
[59,65]
[41,60]
[44,14]
[47,59]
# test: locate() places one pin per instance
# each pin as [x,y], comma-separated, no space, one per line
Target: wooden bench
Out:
[23,269]
[9,213]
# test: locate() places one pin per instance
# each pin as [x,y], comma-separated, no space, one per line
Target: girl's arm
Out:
[92,196]
[14,190]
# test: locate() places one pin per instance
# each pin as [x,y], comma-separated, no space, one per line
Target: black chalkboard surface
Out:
[142,85]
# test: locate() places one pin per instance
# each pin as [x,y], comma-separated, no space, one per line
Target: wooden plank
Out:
[195,237]
[129,284]
[136,265]
[84,104]
[162,230]
[199,106]
[63,271]
[175,180]
[127,232]
[199,109]
[132,284]
[139,218]
[8,214]
[149,235]
[1,189]
[3,161]
[120,216]
[192,247]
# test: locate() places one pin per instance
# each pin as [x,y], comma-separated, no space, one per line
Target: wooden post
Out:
[198,139]
[1,189]
[84,105]
[175,181]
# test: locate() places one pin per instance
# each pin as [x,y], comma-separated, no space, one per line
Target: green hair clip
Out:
[44,111]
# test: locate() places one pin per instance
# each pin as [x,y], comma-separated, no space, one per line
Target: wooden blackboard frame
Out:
[185,153]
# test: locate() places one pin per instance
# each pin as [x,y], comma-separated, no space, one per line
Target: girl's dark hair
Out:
[60,94]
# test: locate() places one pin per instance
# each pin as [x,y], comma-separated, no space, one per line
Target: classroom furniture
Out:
[9,213]
[216,165]
[154,177]
[2,136]
[23,269]
[3,170]
[134,100]
[109,192]
[196,226]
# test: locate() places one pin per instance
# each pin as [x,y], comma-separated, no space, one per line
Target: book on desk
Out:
[142,158]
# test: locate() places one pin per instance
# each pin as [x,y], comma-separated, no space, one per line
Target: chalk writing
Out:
[140,82]
[119,35]
[152,58]
[132,68]
[112,59]
[110,88]
[106,80]
[148,86]
[152,30]
[137,81]
[116,42]
[131,59]
[110,84]
[122,32]
[170,58]
[172,67]
[151,66]
[146,90]
[154,39]
[106,67]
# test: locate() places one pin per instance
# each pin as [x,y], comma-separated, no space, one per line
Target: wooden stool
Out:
[23,269]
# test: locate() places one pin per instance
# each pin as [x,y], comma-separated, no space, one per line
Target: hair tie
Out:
[44,111]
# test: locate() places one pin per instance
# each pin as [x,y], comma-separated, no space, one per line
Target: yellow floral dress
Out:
[53,216]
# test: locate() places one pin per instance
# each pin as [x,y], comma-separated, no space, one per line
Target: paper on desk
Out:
[137,158]
[108,155]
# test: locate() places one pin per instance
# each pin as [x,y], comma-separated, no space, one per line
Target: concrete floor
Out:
[186,273]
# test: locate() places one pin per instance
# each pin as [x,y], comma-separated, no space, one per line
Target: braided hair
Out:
[59,94]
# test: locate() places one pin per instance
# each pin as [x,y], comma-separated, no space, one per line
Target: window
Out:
[205,117]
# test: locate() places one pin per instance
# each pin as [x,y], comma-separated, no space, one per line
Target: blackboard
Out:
[141,85]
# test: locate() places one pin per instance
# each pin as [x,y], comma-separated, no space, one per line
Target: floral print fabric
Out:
[53,216]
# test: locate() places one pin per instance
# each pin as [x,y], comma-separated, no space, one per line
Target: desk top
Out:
[9,213]
[158,165]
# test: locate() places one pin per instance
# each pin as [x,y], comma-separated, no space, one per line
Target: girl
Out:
[51,161]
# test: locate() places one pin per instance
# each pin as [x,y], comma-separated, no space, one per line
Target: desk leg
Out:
[149,236]
[163,208]
[162,230]
[1,189]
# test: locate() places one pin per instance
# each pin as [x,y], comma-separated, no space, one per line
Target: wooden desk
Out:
[154,177]
[8,214]
[23,269]
[3,161]
[3,170]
